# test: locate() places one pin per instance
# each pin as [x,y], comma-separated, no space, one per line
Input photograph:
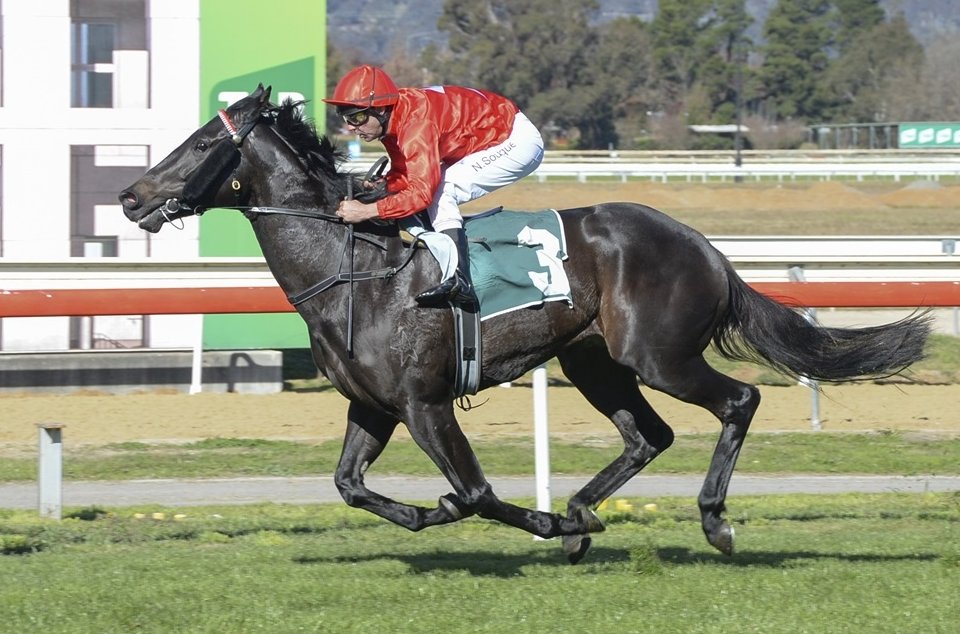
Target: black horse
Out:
[650,294]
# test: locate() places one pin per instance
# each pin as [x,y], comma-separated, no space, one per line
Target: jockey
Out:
[447,145]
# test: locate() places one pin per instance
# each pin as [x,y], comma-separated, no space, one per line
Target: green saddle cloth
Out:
[516,259]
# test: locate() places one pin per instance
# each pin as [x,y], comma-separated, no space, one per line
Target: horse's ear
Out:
[263,94]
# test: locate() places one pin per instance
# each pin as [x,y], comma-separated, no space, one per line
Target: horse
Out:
[650,294]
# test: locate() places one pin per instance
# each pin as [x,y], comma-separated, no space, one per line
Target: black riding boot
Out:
[459,288]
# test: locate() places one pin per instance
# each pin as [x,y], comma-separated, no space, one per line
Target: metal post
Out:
[949,247]
[810,314]
[50,470]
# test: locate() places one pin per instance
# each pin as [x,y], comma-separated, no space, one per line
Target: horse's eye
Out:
[201,146]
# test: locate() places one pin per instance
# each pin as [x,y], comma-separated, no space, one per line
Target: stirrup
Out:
[439,295]
[466,300]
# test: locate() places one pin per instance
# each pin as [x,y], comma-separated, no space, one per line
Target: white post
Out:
[541,438]
[50,470]
[810,314]
[196,371]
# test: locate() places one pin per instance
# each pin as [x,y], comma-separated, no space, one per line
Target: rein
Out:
[175,209]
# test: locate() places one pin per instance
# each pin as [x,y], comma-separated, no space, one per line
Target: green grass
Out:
[822,452]
[877,563]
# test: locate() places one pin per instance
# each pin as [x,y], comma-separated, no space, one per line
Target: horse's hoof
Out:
[575,547]
[591,521]
[448,503]
[723,539]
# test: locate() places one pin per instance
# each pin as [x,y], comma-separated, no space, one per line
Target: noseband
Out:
[175,208]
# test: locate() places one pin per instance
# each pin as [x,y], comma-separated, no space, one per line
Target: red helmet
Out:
[365,87]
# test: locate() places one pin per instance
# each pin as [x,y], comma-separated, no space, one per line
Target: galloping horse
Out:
[650,294]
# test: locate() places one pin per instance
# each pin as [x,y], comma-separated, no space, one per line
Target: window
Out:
[100,30]
[93,45]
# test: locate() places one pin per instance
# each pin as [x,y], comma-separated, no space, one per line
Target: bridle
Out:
[174,208]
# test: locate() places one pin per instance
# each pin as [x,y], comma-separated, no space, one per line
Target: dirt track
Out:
[101,419]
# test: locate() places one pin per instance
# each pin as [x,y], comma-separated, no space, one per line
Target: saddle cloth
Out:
[516,259]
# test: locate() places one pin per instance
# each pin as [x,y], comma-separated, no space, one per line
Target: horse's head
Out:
[195,175]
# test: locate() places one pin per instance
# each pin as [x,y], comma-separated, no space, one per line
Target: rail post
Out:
[810,314]
[196,364]
[50,470]
[541,438]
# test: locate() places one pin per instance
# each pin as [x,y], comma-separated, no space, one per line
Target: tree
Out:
[337,66]
[797,34]
[534,52]
[682,42]
[725,72]
[940,86]
[875,61]
[698,47]
[853,18]
[621,74]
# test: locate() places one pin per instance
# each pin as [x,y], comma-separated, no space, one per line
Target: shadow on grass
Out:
[499,564]
[780,558]
[476,563]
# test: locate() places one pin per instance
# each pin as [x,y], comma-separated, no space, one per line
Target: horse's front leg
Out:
[368,432]
[436,431]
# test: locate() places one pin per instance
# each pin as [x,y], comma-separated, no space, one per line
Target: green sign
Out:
[244,43]
[929,135]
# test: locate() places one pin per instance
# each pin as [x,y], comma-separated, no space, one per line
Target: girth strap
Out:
[333,280]
[350,276]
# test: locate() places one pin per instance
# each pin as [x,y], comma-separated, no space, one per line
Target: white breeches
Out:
[482,172]
[470,178]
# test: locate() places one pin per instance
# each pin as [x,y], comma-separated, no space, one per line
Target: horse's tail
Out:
[759,329]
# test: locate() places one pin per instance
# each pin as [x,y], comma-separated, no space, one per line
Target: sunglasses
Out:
[357,118]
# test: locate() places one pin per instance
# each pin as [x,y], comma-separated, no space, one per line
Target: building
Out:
[92,93]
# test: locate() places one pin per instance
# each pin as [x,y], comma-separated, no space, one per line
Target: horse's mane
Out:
[319,153]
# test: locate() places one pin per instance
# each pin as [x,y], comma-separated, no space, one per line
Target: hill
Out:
[379,27]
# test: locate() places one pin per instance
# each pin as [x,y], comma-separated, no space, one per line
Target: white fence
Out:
[748,171]
[756,258]
[710,166]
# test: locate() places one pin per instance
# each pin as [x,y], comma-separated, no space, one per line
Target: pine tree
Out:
[682,43]
[797,34]
[538,54]
[855,17]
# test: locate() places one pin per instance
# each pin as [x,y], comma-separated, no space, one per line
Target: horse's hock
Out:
[130,371]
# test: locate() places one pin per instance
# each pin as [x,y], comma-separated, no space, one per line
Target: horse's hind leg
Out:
[368,432]
[613,390]
[435,430]
[734,404]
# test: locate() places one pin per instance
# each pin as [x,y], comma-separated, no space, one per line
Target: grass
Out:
[823,452]
[878,563]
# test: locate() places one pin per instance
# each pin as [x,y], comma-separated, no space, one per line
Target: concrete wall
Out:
[131,371]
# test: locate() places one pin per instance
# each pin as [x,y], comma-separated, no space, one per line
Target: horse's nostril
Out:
[129,200]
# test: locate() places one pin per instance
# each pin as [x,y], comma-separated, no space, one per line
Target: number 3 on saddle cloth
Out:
[516,261]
